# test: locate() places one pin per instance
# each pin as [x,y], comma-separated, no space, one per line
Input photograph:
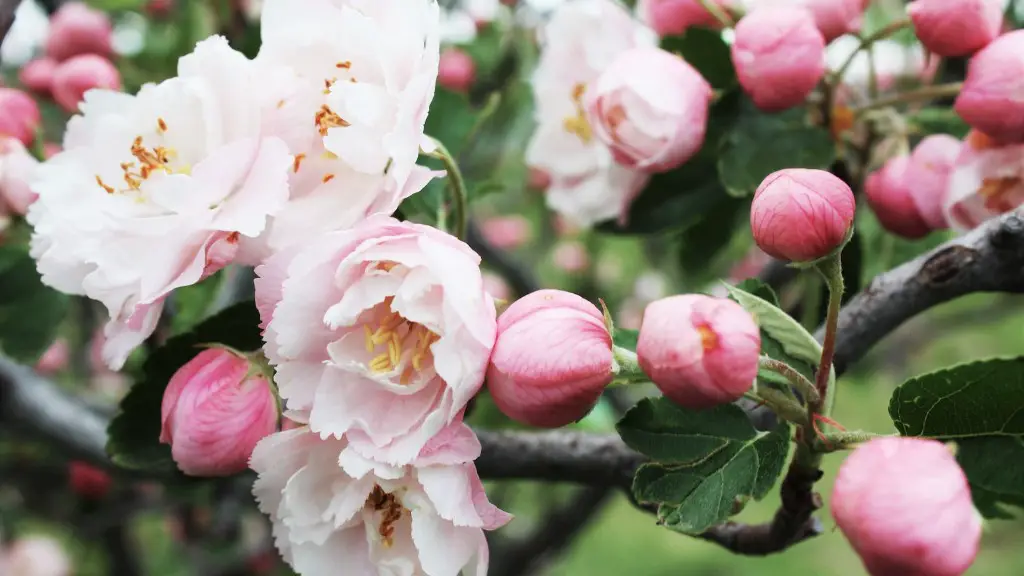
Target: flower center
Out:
[397,342]
[325,119]
[577,124]
[391,510]
[148,160]
[708,339]
[996,193]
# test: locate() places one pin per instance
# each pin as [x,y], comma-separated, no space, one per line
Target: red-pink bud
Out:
[650,108]
[37,75]
[55,358]
[78,29]
[905,506]
[159,8]
[928,173]
[506,232]
[88,481]
[779,56]
[17,169]
[801,215]
[836,17]
[953,28]
[888,194]
[538,179]
[571,257]
[456,70]
[214,412]
[673,17]
[698,350]
[990,100]
[19,115]
[552,359]
[76,76]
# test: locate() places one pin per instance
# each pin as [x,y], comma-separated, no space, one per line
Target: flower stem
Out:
[784,405]
[831,268]
[845,440]
[718,13]
[924,93]
[866,43]
[456,185]
[804,386]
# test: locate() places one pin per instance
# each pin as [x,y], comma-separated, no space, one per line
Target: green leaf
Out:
[30,312]
[625,338]
[135,431]
[794,340]
[761,143]
[928,121]
[760,289]
[980,406]
[706,51]
[702,243]
[191,303]
[704,461]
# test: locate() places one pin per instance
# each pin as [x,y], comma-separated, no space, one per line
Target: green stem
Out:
[457,186]
[836,441]
[804,386]
[831,268]
[784,405]
[719,14]
[924,93]
[866,42]
[811,301]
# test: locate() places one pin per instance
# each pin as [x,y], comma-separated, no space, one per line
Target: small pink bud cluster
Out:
[17,169]
[990,100]
[673,17]
[698,350]
[77,59]
[19,116]
[953,28]
[905,506]
[779,55]
[801,215]
[214,411]
[552,359]
[908,193]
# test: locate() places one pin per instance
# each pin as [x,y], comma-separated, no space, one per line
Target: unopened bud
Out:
[990,98]
[954,28]
[76,76]
[673,17]
[19,115]
[456,70]
[888,194]
[79,29]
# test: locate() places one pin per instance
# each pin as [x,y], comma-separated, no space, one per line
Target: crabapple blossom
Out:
[215,409]
[698,350]
[19,116]
[987,180]
[336,511]
[927,174]
[905,506]
[956,27]
[673,17]
[888,193]
[153,191]
[834,18]
[497,287]
[990,98]
[79,74]
[380,334]
[650,108]
[456,70]
[18,167]
[779,56]
[36,556]
[76,29]
[37,75]
[801,215]
[506,232]
[578,42]
[552,359]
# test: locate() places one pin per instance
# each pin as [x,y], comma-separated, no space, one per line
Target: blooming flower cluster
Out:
[379,331]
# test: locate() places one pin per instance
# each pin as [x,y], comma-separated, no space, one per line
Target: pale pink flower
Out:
[497,287]
[215,409]
[36,556]
[19,116]
[905,506]
[650,108]
[79,74]
[990,100]
[928,174]
[337,512]
[581,39]
[956,27]
[698,350]
[779,56]
[77,28]
[552,359]
[506,232]
[153,191]
[380,333]
[888,193]
[987,180]
[37,75]
[18,168]
[801,215]
[673,17]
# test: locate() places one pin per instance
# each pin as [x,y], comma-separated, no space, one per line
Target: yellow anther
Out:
[297,162]
[381,363]
[161,125]
[369,337]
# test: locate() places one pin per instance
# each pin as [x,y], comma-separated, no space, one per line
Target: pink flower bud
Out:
[905,506]
[552,359]
[159,8]
[779,56]
[36,556]
[956,27]
[214,412]
[698,350]
[88,481]
[456,70]
[78,29]
[538,179]
[928,176]
[990,99]
[37,75]
[836,17]
[506,232]
[801,215]
[673,17]
[571,257]
[888,194]
[650,108]
[17,169]
[55,358]
[496,286]
[19,115]
[76,76]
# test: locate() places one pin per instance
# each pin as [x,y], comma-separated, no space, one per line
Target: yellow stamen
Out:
[368,334]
